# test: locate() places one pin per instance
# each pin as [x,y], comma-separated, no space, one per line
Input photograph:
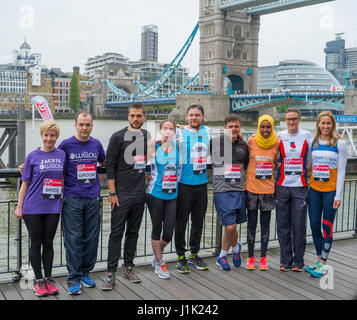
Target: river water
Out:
[103,129]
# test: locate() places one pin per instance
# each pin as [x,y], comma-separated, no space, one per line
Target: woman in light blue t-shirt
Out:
[162,189]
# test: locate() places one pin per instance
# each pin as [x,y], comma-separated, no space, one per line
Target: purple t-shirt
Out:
[81,177]
[44,171]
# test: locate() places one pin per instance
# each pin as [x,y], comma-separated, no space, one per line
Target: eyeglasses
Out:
[292,119]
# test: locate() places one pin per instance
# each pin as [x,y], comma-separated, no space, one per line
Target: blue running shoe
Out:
[319,272]
[313,267]
[223,263]
[237,260]
[75,289]
[88,282]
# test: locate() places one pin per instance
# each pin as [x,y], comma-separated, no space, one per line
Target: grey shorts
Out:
[264,202]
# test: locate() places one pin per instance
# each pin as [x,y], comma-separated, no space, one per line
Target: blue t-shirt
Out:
[194,151]
[164,173]
[43,171]
[81,177]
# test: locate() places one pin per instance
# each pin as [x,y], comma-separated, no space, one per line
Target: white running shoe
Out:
[161,271]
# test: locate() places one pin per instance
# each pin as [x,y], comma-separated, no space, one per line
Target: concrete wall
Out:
[350,101]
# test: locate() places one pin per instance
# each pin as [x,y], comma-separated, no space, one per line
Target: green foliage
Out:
[282,108]
[74,94]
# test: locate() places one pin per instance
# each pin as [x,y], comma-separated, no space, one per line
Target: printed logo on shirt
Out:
[86,173]
[264,171]
[83,156]
[199,158]
[232,173]
[169,179]
[140,163]
[321,173]
[292,147]
[52,189]
[51,164]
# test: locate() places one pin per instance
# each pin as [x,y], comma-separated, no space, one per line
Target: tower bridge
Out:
[229,41]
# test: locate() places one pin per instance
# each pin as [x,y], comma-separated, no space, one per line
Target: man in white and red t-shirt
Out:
[291,192]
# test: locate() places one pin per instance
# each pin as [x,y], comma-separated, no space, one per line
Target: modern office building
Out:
[340,60]
[295,75]
[100,63]
[149,43]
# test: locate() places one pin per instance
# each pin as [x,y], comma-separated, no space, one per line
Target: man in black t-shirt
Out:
[126,163]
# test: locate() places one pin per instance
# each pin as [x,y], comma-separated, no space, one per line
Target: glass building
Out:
[149,43]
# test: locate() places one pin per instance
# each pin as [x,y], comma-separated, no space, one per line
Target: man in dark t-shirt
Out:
[126,164]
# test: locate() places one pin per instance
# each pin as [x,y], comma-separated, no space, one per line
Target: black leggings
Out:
[264,230]
[42,229]
[163,217]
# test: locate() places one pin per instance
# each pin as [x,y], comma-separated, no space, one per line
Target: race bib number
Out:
[140,163]
[263,171]
[86,173]
[232,173]
[321,172]
[293,167]
[199,165]
[52,189]
[169,184]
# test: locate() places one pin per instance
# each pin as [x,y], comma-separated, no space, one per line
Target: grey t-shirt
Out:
[230,162]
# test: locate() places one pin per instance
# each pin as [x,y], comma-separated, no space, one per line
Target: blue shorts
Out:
[230,207]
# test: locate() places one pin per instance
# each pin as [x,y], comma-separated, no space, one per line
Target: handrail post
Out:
[355,234]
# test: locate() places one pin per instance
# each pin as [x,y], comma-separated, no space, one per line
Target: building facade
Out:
[149,43]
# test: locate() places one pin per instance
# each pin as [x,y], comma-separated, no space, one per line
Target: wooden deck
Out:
[214,284]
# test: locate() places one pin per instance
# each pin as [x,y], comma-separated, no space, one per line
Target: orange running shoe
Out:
[263,264]
[250,264]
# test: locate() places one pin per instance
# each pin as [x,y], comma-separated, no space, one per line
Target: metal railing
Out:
[14,240]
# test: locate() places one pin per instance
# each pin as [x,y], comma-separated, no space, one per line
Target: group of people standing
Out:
[267,172]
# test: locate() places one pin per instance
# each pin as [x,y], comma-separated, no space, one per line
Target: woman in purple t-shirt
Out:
[40,204]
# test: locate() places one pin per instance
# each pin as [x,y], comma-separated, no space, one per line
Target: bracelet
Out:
[112,194]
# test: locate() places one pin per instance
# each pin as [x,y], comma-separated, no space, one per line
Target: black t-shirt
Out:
[126,160]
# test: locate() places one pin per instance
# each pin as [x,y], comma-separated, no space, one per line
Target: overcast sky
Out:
[68,32]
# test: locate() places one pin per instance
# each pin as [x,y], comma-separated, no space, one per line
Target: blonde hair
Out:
[333,138]
[50,125]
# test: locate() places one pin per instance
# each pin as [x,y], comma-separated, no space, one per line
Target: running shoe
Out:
[51,286]
[223,263]
[319,272]
[109,283]
[181,265]
[196,261]
[298,269]
[40,288]
[250,264]
[237,260]
[263,264]
[130,275]
[88,282]
[285,268]
[313,267]
[74,289]
[161,271]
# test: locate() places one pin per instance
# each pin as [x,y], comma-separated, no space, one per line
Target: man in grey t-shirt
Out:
[230,157]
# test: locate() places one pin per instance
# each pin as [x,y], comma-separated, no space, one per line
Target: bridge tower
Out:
[228,49]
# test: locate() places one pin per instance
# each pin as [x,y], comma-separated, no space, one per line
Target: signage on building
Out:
[346,118]
[336,88]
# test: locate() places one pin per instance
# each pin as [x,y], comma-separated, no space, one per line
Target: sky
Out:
[68,32]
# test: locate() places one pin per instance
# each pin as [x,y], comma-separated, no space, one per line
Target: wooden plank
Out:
[139,289]
[62,290]
[155,289]
[342,281]
[173,286]
[312,284]
[2,297]
[197,284]
[82,296]
[257,280]
[224,280]
[10,292]
[120,292]
[26,294]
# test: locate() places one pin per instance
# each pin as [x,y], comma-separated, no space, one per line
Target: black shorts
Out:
[265,202]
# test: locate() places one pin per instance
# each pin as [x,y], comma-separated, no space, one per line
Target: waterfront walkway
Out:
[237,284]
